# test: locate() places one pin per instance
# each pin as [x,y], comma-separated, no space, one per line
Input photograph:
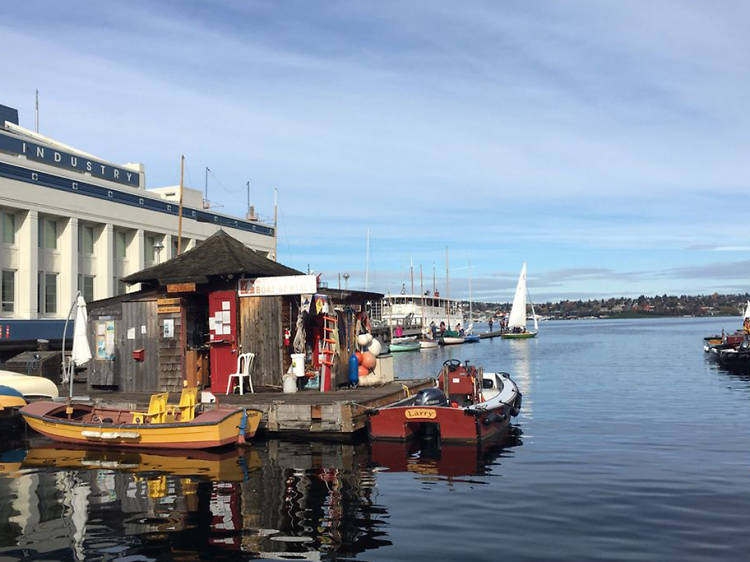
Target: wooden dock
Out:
[495,334]
[338,415]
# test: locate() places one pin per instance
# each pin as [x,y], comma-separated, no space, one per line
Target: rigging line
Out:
[221,184]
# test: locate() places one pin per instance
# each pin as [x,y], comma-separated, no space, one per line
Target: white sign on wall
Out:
[276,286]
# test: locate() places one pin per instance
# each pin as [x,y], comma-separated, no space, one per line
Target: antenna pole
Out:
[179,221]
[36,112]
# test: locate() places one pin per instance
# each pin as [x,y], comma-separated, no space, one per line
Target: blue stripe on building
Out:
[134,200]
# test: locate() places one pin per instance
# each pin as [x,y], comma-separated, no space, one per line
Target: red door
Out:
[222,314]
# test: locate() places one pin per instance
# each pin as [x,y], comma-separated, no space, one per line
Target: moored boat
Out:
[466,405]
[736,358]
[29,386]
[451,340]
[404,346]
[428,344]
[163,426]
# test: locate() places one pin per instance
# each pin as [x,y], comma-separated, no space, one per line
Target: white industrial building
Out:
[70,221]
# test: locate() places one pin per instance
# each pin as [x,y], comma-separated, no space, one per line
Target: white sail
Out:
[747,310]
[518,310]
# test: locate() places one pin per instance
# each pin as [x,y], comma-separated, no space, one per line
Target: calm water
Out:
[632,446]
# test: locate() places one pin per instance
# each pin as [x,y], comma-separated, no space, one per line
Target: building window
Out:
[8,290]
[120,244]
[8,227]
[47,233]
[86,239]
[174,247]
[50,293]
[86,287]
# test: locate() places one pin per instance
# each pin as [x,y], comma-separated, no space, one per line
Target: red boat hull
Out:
[401,423]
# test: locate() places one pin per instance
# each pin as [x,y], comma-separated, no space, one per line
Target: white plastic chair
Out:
[245,363]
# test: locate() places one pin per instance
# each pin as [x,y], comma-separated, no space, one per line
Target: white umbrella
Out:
[81,352]
[747,310]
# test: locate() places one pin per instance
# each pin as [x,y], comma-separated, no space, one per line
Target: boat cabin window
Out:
[487,384]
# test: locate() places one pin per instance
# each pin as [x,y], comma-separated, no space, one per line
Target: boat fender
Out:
[494,418]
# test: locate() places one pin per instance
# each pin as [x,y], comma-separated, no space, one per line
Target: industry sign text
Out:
[61,159]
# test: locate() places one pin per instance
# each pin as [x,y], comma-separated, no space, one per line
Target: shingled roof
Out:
[219,254]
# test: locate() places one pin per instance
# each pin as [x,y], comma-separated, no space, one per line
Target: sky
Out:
[604,143]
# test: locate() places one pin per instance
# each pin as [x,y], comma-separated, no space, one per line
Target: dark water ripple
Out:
[631,445]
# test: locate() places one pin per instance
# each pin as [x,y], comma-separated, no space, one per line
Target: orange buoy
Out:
[363,371]
[368,360]
[358,354]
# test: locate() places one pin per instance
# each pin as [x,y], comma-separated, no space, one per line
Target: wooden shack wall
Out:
[171,352]
[135,375]
[104,372]
[261,333]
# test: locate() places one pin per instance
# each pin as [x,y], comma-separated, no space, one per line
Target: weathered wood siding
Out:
[104,372]
[171,352]
[135,375]
[261,333]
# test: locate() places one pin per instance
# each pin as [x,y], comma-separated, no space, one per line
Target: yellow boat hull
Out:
[214,428]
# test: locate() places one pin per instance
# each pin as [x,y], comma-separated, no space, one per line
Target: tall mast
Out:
[36,112]
[411,274]
[179,221]
[421,292]
[471,315]
[367,259]
[434,286]
[205,189]
[447,289]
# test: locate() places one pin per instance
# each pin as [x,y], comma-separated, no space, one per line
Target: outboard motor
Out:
[431,397]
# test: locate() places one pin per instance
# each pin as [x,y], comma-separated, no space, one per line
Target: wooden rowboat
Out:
[83,423]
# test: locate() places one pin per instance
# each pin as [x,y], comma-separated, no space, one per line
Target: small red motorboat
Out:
[466,405]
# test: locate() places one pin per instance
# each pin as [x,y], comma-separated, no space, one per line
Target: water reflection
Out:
[520,372]
[431,459]
[279,499]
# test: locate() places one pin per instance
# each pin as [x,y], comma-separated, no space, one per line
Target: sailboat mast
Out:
[421,292]
[411,274]
[447,289]
[367,258]
[471,313]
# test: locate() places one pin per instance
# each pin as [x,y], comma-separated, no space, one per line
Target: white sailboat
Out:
[517,321]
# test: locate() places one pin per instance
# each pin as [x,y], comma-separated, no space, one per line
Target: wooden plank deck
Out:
[337,415]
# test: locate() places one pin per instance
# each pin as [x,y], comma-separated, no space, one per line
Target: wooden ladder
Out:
[327,348]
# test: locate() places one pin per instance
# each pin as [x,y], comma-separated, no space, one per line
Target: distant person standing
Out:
[490,323]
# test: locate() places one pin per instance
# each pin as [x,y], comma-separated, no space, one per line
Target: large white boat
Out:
[418,311]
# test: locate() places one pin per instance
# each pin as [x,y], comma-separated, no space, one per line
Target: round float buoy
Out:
[363,371]
[368,360]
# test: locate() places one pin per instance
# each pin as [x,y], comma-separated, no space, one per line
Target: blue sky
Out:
[605,143]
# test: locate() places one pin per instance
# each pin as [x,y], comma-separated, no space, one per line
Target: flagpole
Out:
[179,221]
